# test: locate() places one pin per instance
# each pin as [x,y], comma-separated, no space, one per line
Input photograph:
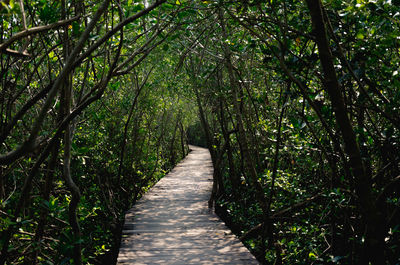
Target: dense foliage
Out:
[298,102]
[89,121]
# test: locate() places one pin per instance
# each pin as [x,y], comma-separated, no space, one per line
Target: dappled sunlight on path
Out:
[172,224]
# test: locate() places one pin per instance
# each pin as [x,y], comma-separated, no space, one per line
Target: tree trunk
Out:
[372,218]
[182,134]
[72,187]
[172,145]
[233,176]
[248,162]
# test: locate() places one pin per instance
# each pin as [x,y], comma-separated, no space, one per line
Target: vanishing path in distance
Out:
[171,224]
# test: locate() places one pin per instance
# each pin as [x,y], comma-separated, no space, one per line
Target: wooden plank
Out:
[172,224]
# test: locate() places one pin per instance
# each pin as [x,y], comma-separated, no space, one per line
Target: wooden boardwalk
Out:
[172,224]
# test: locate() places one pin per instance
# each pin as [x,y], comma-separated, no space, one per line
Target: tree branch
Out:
[34,30]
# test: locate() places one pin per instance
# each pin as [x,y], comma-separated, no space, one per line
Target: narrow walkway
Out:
[172,224]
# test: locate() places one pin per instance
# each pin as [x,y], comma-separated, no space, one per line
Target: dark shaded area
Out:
[196,136]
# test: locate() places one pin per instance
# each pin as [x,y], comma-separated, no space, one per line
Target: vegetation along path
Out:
[172,224]
[298,103]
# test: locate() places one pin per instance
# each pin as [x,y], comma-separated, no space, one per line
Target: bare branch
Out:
[15,53]
[34,30]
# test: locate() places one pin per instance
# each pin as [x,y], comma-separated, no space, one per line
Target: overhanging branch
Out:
[34,30]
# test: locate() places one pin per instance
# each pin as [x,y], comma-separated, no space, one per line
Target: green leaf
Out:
[76,29]
[312,256]
[138,7]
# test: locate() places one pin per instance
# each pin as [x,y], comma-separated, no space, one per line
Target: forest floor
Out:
[172,224]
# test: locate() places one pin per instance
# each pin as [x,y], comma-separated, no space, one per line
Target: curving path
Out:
[172,224]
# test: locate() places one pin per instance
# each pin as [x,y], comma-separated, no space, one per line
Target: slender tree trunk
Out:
[66,101]
[126,127]
[182,134]
[72,187]
[372,218]
[248,162]
[233,176]
[172,144]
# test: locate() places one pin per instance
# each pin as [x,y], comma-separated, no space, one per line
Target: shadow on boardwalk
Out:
[172,224]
